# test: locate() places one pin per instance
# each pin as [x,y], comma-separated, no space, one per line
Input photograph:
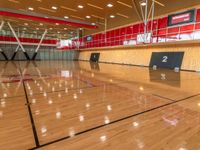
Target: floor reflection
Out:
[136,105]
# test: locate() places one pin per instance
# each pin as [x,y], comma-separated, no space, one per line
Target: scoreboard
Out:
[181,18]
[88,38]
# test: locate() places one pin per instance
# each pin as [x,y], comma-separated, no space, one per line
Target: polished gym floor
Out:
[66,105]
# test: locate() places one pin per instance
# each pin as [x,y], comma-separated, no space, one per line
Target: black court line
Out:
[178,99]
[115,121]
[163,97]
[189,97]
[100,126]
[85,81]
[134,65]
[49,92]
[30,115]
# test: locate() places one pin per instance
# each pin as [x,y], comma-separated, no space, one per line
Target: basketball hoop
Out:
[145,14]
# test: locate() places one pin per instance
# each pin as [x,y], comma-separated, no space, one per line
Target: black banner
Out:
[94,57]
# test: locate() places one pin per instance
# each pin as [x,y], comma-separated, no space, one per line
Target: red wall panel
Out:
[162,23]
[173,30]
[26,40]
[198,15]
[187,28]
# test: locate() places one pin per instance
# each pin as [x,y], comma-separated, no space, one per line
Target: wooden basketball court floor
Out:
[66,105]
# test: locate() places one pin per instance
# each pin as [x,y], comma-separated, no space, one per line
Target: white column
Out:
[1,26]
[18,41]
[43,36]
[17,49]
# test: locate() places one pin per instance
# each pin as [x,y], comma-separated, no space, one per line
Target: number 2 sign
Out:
[167,59]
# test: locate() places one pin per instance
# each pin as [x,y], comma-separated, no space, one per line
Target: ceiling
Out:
[123,10]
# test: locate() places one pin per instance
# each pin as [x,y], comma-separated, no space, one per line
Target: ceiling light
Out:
[110,5]
[41,24]
[65,28]
[80,6]
[93,24]
[30,8]
[88,17]
[50,28]
[66,17]
[143,3]
[53,7]
[57,24]
[112,16]
[25,24]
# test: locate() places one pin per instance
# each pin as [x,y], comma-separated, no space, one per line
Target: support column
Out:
[2,52]
[18,41]
[1,26]
[13,57]
[147,13]
[36,50]
[4,55]
[78,35]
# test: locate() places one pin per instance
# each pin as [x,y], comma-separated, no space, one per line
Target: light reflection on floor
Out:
[82,105]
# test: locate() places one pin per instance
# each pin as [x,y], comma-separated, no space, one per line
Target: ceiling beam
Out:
[48,20]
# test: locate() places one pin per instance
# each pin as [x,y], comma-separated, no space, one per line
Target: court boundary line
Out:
[115,121]
[99,126]
[104,62]
[163,97]
[198,94]
[36,139]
